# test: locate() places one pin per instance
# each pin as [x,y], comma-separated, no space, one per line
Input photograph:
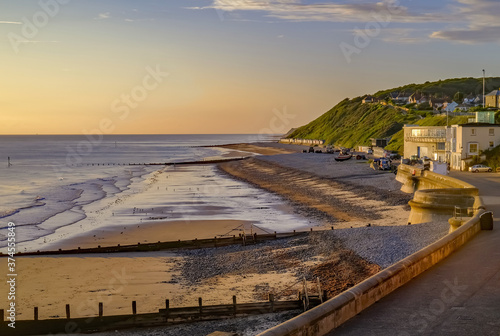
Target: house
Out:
[369,99]
[429,141]
[469,99]
[468,140]
[450,107]
[479,100]
[492,99]
[417,98]
[437,103]
[399,98]
[463,107]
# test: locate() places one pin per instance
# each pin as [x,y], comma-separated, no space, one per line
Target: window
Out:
[472,131]
[492,144]
[441,146]
[473,149]
[492,131]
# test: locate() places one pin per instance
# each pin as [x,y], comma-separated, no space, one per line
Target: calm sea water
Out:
[61,186]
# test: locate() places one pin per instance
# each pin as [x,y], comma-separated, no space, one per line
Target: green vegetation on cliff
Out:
[351,123]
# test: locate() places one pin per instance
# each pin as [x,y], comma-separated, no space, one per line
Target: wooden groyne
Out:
[242,239]
[164,317]
[198,162]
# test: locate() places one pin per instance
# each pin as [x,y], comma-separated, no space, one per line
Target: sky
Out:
[224,66]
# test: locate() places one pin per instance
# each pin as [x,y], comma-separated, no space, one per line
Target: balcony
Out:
[426,139]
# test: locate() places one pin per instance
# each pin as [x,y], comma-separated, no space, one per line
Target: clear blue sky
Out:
[233,65]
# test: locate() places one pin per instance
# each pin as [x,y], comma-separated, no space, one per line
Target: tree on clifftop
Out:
[458,97]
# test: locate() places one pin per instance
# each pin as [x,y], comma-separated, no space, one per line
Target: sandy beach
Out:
[159,231]
[368,213]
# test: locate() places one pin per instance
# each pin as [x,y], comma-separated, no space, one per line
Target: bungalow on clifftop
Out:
[369,99]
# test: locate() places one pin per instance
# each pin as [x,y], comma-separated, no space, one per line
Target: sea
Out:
[56,187]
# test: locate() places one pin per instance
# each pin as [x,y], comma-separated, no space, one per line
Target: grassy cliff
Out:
[352,123]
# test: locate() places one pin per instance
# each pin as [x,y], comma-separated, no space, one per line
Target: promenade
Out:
[458,296]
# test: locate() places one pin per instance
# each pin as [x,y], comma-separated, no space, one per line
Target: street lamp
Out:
[484,87]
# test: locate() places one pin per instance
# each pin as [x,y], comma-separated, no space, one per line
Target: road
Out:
[459,296]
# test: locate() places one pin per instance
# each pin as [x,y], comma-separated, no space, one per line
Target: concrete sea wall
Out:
[435,197]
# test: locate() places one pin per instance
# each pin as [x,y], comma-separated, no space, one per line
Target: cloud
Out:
[471,35]
[296,10]
[103,16]
[478,22]
[10,22]
[465,21]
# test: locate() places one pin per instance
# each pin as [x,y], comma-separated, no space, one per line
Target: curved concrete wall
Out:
[328,316]
[435,198]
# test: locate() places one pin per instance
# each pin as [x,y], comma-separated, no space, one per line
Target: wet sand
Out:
[261,148]
[159,231]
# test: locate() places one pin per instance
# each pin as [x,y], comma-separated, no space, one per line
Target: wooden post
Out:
[306,303]
[68,315]
[35,313]
[319,289]
[134,307]
[167,308]
[200,303]
[271,299]
[234,304]
[101,309]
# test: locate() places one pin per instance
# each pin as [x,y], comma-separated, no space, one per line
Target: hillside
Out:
[351,123]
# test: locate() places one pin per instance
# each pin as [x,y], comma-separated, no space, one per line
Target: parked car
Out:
[480,168]
[311,149]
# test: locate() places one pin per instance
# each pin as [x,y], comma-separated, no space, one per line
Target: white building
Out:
[469,140]
[429,141]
